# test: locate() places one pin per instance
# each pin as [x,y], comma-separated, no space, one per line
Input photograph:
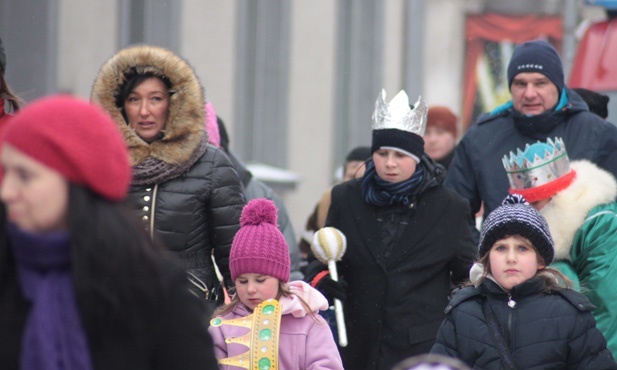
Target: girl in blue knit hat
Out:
[516,313]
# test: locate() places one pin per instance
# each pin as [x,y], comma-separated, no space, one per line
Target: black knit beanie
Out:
[537,56]
[395,138]
[516,217]
[223,134]
[359,153]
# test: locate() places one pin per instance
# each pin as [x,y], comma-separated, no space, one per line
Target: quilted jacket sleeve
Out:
[226,202]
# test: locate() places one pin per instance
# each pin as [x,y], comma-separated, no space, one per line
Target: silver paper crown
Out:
[524,173]
[399,115]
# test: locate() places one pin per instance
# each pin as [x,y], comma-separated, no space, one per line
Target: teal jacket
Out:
[583,221]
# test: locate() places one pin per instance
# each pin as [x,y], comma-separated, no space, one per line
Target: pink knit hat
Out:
[259,247]
[212,127]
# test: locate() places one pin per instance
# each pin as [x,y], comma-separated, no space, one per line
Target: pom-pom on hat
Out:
[75,138]
[516,217]
[259,247]
[537,56]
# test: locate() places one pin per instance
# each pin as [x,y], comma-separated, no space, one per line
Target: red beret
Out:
[75,138]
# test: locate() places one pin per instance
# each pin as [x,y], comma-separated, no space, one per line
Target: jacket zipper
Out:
[511,305]
[152,208]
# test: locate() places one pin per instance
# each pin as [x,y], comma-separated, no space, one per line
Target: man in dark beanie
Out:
[542,106]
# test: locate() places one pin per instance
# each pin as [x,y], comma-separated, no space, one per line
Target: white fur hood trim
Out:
[567,210]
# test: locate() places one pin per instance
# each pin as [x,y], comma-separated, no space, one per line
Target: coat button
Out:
[148,189]
[145,218]
[146,208]
[147,198]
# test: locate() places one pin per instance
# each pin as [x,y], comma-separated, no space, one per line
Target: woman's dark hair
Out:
[132,78]
[115,264]
[7,94]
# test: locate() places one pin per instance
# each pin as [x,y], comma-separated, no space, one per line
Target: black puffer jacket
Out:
[195,213]
[477,172]
[544,331]
[185,190]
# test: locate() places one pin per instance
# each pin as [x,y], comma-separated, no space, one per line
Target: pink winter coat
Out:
[304,343]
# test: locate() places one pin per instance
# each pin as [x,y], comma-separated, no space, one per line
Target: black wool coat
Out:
[395,305]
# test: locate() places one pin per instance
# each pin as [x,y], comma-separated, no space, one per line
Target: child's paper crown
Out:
[540,171]
[262,339]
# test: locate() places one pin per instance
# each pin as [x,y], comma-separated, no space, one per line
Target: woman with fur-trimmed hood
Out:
[185,190]
[578,201]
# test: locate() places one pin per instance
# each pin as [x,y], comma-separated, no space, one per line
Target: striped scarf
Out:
[379,192]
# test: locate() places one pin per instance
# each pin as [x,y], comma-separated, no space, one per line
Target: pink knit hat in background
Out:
[259,247]
[212,127]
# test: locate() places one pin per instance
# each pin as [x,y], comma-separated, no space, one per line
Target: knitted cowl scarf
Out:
[380,193]
[53,337]
[153,170]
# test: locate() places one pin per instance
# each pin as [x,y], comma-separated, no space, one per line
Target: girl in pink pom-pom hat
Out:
[260,266]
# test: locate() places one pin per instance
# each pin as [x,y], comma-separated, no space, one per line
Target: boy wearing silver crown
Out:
[578,201]
[408,242]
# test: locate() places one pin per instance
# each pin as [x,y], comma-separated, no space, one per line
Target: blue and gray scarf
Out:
[379,192]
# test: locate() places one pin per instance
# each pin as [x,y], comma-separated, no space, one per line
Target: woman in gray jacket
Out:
[185,190]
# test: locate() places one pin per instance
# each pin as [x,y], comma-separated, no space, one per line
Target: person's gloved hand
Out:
[318,276]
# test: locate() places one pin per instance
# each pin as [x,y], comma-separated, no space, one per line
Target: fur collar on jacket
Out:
[567,210]
[185,126]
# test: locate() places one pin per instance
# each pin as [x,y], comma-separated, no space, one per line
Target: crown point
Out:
[538,164]
[398,114]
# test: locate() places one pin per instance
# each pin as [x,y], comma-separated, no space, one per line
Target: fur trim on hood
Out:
[185,125]
[568,209]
